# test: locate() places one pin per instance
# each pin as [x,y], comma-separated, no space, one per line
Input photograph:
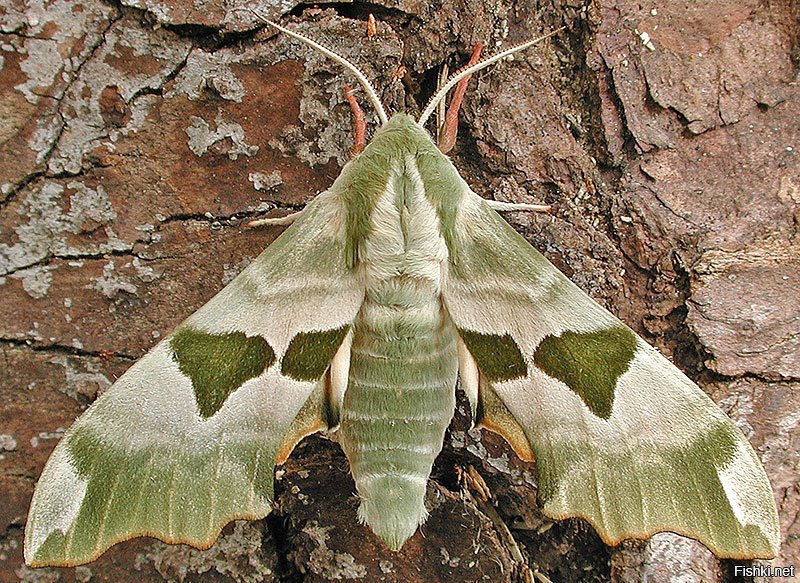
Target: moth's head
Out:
[401,133]
[401,121]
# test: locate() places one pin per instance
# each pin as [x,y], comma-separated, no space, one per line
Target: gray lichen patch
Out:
[238,555]
[47,46]
[54,212]
[112,282]
[144,272]
[209,71]
[82,377]
[44,136]
[51,31]
[7,442]
[202,138]
[36,281]
[131,61]
[265,182]
[331,564]
[28,575]
[116,279]
[231,15]
[41,65]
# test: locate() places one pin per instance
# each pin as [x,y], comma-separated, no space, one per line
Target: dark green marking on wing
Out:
[498,357]
[309,353]
[588,363]
[218,364]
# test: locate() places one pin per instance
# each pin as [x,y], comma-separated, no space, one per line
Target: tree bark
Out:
[139,137]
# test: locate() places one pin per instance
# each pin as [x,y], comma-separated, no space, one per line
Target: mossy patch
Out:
[218,364]
[498,357]
[588,363]
[310,353]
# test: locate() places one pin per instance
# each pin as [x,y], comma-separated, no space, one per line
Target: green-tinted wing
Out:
[187,439]
[621,437]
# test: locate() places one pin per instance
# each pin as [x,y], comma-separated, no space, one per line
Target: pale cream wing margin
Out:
[187,439]
[621,437]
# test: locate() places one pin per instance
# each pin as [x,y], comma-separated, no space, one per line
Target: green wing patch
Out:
[135,493]
[686,490]
[588,363]
[218,364]
[310,353]
[498,357]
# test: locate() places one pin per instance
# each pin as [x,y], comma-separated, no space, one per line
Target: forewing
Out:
[187,439]
[621,437]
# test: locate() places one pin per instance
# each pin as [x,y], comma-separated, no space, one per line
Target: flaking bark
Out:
[139,138]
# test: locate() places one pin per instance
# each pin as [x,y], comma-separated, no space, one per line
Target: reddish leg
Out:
[359,139]
[447,137]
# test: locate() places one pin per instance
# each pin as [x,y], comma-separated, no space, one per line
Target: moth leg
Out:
[270,221]
[360,130]
[517,206]
[449,131]
[470,480]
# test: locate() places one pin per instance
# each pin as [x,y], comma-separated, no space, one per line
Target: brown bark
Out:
[138,137]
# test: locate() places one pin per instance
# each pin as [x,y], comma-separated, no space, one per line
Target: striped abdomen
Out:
[398,404]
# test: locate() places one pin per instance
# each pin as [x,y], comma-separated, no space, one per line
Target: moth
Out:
[409,281]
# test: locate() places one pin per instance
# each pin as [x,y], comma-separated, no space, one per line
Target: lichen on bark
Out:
[137,137]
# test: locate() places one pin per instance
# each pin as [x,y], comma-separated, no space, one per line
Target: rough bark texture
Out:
[137,138]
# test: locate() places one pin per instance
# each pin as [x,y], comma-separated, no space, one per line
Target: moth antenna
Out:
[371,93]
[440,95]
